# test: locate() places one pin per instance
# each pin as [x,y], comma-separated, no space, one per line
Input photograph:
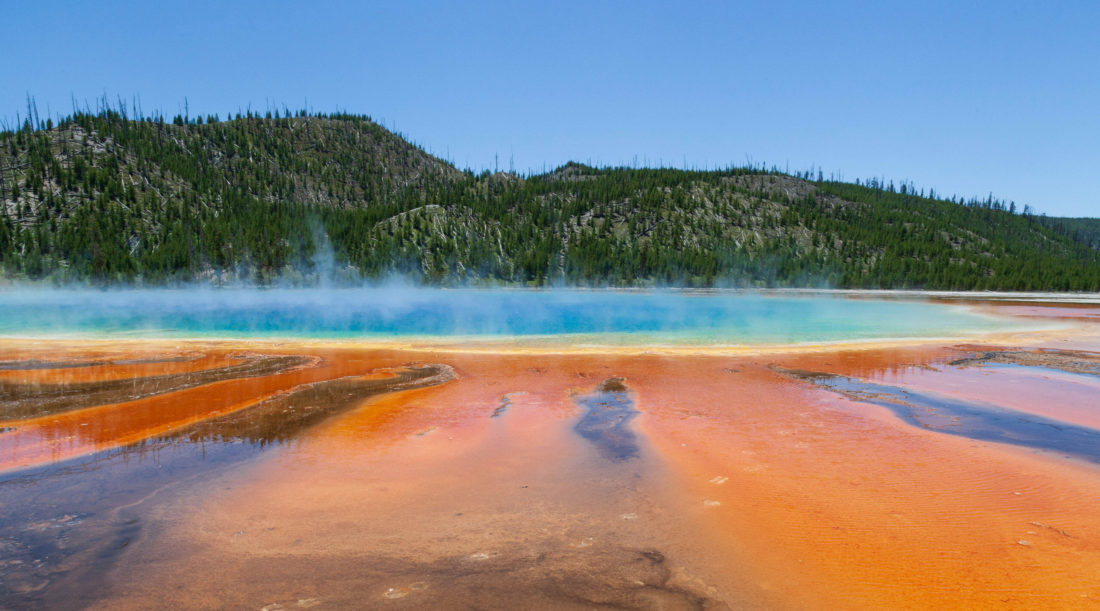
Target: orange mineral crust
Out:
[157,405]
[442,479]
[845,505]
[472,494]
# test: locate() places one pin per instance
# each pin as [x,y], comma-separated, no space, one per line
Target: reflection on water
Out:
[607,421]
[980,420]
[62,525]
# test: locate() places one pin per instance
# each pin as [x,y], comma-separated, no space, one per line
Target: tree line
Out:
[298,198]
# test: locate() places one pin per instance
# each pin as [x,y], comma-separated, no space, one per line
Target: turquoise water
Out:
[717,318]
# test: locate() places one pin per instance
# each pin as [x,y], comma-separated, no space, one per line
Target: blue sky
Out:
[965,97]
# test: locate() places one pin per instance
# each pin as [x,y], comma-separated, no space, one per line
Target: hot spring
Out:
[611,317]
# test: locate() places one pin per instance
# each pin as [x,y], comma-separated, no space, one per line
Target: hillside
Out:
[309,198]
[1083,230]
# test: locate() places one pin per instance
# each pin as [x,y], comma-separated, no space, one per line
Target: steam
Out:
[398,309]
[323,261]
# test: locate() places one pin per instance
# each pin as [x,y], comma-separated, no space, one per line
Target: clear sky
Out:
[964,97]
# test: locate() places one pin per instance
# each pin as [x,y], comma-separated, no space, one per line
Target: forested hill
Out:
[304,198]
[1083,230]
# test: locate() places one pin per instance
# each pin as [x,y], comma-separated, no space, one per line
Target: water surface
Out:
[666,317]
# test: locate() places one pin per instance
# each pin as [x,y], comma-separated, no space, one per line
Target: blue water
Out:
[971,419]
[718,318]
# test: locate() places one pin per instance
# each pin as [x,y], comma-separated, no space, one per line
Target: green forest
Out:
[300,198]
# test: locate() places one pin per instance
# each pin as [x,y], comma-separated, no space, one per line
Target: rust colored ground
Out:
[751,489]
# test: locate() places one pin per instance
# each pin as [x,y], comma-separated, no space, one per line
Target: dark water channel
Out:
[64,524]
[980,421]
[606,423]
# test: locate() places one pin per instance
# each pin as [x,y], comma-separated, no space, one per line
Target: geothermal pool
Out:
[400,448]
[614,317]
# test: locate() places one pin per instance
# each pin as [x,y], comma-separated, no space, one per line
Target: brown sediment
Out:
[551,578]
[1071,361]
[42,365]
[24,400]
[613,385]
[33,364]
[505,403]
[285,415]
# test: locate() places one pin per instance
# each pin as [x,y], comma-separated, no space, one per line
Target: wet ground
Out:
[977,419]
[282,476]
